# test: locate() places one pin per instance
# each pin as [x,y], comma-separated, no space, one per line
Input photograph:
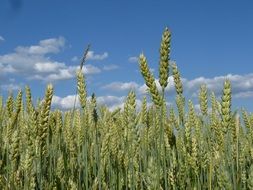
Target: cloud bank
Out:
[242,85]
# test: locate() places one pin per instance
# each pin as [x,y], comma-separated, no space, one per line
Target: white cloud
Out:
[110,67]
[111,102]
[68,102]
[133,59]
[65,73]
[242,85]
[143,88]
[6,68]
[121,86]
[52,45]
[90,69]
[11,87]
[92,56]
[24,58]
[48,66]
[33,62]
[61,75]
[2,38]
[65,102]
[247,94]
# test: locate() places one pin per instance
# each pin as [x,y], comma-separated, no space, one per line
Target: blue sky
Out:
[42,42]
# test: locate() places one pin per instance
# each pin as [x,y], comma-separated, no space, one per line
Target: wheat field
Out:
[158,147]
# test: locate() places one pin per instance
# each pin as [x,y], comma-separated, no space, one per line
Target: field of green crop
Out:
[158,147]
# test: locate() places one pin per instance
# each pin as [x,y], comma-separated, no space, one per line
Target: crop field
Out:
[157,147]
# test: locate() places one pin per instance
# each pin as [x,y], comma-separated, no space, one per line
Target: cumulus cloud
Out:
[61,75]
[25,58]
[52,45]
[110,67]
[121,86]
[247,94]
[111,102]
[33,62]
[92,56]
[133,59]
[65,73]
[90,69]
[67,102]
[48,66]
[11,87]
[6,68]
[143,89]
[242,85]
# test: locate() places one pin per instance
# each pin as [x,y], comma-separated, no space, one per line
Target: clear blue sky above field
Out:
[43,41]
